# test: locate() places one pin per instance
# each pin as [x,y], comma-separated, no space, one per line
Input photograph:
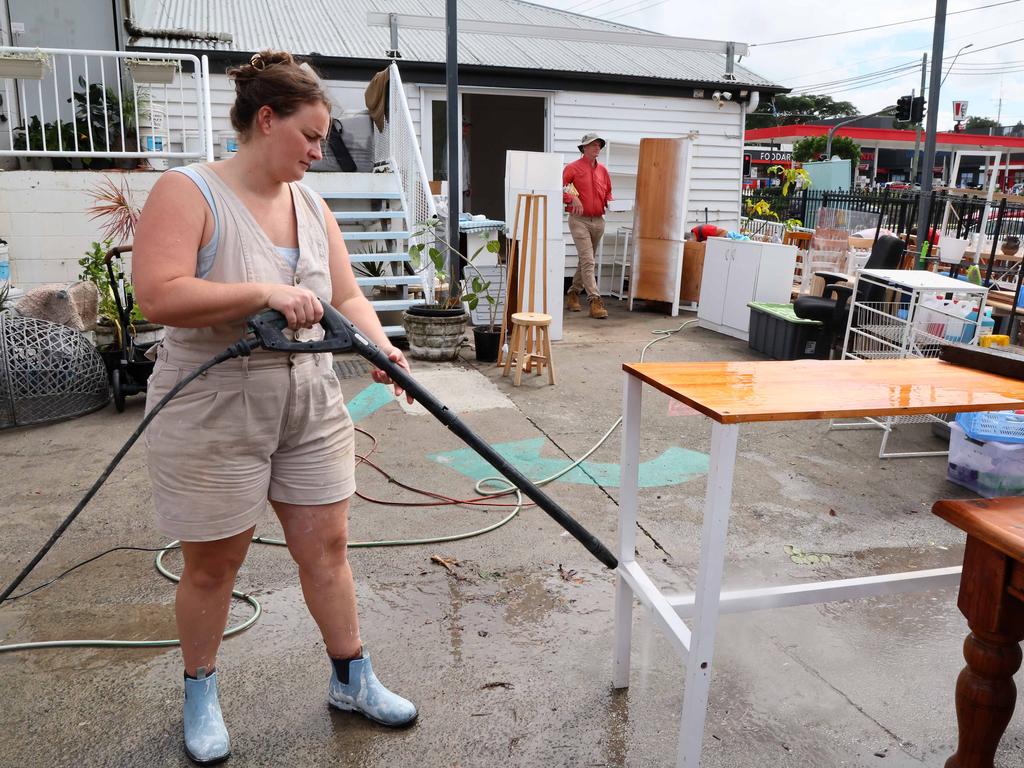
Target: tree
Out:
[794,110]
[813,147]
[979,124]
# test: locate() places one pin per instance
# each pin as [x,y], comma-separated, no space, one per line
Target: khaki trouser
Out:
[587,232]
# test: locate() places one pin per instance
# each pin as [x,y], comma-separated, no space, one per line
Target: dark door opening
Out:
[491,125]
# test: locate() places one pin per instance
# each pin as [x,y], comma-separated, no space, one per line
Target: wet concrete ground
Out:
[509,655]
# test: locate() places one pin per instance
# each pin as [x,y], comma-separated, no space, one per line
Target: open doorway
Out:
[491,125]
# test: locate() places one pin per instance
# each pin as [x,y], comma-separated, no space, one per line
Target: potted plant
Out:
[24,65]
[435,331]
[114,205]
[152,70]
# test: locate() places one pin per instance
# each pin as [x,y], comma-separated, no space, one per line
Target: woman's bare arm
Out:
[164,255]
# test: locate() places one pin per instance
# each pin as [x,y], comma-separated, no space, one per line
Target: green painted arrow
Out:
[674,466]
[368,401]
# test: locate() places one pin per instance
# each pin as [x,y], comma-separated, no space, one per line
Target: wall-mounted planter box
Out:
[24,67]
[152,70]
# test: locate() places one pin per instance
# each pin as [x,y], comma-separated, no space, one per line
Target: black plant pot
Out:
[487,340]
[434,310]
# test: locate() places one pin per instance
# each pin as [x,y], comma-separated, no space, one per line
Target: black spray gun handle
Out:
[342,335]
[269,326]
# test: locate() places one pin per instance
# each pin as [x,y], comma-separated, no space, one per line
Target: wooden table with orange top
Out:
[734,393]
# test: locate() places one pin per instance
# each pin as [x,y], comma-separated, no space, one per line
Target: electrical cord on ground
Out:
[504,488]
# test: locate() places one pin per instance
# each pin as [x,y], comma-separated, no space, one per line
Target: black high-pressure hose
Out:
[238,349]
[340,336]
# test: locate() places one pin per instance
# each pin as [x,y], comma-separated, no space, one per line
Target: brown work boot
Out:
[597,310]
[572,301]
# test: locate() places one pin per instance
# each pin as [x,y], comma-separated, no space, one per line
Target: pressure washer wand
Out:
[343,335]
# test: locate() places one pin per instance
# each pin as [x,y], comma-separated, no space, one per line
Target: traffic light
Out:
[917,109]
[904,107]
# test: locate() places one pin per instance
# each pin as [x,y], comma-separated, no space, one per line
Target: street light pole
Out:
[962,49]
[928,167]
[837,126]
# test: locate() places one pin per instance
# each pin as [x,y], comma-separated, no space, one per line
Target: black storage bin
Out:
[777,332]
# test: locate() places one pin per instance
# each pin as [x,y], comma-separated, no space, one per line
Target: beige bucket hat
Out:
[589,137]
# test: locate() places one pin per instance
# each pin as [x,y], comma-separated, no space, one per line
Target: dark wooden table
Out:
[992,600]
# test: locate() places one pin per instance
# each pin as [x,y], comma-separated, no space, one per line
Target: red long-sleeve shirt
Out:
[592,182]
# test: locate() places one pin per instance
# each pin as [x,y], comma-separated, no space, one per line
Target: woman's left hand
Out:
[381,377]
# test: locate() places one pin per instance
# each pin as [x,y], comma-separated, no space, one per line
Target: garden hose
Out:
[243,348]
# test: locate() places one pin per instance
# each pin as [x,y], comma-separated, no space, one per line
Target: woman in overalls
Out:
[217,243]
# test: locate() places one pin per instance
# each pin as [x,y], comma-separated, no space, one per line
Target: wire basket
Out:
[1003,426]
[48,372]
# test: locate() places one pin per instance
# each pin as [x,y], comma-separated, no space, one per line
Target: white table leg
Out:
[628,483]
[709,586]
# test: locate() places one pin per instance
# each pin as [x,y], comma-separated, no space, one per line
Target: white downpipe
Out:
[207,110]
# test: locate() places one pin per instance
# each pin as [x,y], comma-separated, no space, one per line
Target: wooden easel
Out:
[530,346]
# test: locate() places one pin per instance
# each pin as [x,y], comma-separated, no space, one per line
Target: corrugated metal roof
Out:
[339,29]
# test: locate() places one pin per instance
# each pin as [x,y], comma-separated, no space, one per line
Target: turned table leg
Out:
[985,691]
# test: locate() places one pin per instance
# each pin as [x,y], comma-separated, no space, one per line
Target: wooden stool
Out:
[992,600]
[530,346]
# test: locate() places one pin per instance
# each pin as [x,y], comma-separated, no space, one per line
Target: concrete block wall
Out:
[43,218]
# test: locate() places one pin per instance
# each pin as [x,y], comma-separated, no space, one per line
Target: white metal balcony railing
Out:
[65,103]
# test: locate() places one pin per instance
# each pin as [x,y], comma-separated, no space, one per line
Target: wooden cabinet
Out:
[739,271]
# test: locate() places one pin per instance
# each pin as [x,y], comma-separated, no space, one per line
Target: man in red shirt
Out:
[589,189]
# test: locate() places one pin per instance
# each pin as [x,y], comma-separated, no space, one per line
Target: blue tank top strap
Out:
[208,253]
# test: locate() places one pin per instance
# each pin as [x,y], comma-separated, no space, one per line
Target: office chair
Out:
[831,308]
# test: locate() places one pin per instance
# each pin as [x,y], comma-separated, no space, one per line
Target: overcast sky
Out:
[813,62]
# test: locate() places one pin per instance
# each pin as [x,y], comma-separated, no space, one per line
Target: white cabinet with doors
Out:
[739,271]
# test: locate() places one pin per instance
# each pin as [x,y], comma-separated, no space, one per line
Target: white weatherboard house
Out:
[531,78]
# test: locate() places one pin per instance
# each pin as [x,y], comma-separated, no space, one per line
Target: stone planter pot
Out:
[1010,246]
[434,333]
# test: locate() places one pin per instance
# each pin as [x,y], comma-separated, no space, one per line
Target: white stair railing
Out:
[398,147]
[82,103]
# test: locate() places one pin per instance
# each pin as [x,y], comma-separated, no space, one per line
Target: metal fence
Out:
[67,104]
[957,214]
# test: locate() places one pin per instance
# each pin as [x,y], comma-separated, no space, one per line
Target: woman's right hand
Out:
[300,306]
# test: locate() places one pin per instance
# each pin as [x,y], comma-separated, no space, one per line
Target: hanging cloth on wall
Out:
[376,97]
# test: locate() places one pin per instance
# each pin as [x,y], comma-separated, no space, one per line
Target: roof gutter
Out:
[135,31]
[433,73]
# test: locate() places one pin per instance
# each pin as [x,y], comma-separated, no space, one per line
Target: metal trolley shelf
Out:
[897,314]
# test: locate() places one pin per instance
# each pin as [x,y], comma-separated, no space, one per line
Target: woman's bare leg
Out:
[204,596]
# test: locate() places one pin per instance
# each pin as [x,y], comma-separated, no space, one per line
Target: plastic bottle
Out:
[971,323]
[988,324]
[930,316]
[958,312]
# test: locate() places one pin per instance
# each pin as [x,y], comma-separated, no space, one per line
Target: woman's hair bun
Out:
[275,79]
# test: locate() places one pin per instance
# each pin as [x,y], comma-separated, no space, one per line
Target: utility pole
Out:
[917,139]
[928,167]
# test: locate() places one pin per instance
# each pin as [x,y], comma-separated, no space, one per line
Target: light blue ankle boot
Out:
[365,694]
[206,738]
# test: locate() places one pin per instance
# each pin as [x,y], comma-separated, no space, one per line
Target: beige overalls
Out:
[269,426]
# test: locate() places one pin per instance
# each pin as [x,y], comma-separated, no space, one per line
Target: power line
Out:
[857,81]
[881,26]
[907,67]
[890,56]
[631,9]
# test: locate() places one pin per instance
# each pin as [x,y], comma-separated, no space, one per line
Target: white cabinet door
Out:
[775,273]
[714,280]
[743,268]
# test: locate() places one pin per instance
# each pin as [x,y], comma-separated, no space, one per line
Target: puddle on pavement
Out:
[148,621]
